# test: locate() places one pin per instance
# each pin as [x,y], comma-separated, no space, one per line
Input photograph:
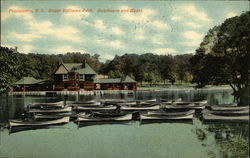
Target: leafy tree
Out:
[9,68]
[115,74]
[223,56]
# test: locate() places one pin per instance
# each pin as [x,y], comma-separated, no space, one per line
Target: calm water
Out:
[192,139]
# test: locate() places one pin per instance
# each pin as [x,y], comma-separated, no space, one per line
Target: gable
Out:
[61,70]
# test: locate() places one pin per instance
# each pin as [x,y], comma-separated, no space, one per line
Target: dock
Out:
[81,92]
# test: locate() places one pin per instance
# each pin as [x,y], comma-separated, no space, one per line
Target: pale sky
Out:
[161,27]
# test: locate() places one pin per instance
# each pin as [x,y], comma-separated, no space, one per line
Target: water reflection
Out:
[216,139]
[231,140]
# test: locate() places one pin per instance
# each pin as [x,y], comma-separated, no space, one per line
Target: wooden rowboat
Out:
[153,117]
[18,123]
[217,118]
[47,105]
[88,104]
[136,104]
[139,108]
[108,114]
[163,113]
[112,101]
[82,102]
[47,117]
[229,108]
[201,103]
[149,100]
[126,117]
[169,102]
[226,112]
[184,106]
[101,108]
[196,103]
[128,103]
[179,106]
[63,110]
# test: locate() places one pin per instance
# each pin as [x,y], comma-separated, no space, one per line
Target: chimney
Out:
[59,63]
[84,63]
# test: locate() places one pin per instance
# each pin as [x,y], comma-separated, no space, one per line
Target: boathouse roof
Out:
[29,80]
[125,79]
[81,68]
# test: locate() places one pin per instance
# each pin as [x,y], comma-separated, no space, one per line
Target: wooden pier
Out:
[81,92]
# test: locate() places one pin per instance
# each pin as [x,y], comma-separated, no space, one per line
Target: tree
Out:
[115,74]
[223,56]
[9,68]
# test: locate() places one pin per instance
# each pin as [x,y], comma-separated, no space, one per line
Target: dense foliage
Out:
[147,67]
[14,65]
[9,68]
[223,56]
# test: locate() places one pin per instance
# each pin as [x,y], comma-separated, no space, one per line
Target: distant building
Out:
[124,83]
[32,84]
[75,77]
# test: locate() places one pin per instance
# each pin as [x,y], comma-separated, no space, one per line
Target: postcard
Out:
[124,79]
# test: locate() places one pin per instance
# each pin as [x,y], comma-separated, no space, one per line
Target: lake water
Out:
[193,139]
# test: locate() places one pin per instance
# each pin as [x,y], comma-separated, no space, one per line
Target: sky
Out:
[111,28]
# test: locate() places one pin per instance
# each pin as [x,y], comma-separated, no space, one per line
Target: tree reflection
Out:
[231,140]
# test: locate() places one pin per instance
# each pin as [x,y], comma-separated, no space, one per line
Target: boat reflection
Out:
[123,123]
[145,122]
[28,128]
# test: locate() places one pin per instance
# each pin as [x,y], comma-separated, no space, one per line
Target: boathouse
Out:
[123,83]
[74,76]
[32,84]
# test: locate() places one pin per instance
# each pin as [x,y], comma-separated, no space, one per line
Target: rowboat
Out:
[47,105]
[126,117]
[201,103]
[128,103]
[167,101]
[18,123]
[198,107]
[161,117]
[88,104]
[136,104]
[82,102]
[108,114]
[139,108]
[163,113]
[178,106]
[197,103]
[146,101]
[226,112]
[229,108]
[62,110]
[213,118]
[112,101]
[100,108]
[47,117]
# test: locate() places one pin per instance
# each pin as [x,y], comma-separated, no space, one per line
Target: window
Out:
[81,77]
[65,76]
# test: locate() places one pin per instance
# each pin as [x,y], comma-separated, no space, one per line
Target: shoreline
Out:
[103,92]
